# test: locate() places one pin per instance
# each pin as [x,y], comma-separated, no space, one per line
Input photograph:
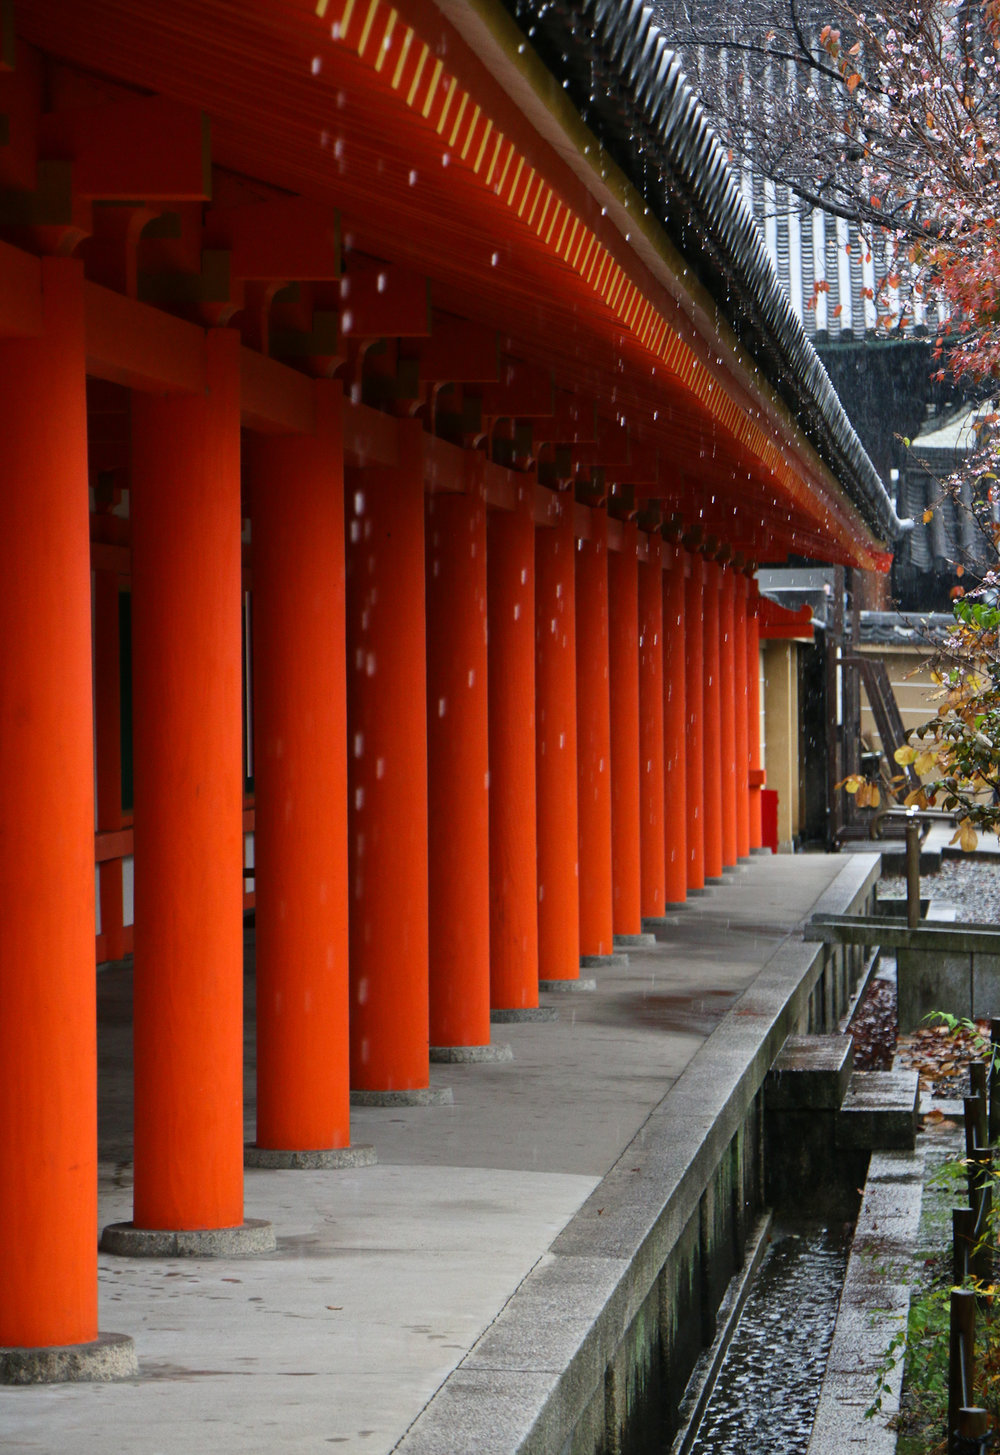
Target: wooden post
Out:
[555,760]
[510,569]
[187,704]
[48,1012]
[296,486]
[387,777]
[623,606]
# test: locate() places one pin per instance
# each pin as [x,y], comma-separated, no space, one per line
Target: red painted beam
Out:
[147,146]
[291,238]
[383,300]
[523,391]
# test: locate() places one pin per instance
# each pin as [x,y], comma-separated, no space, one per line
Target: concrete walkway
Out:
[386,1276]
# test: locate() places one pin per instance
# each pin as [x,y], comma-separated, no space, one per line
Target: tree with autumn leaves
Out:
[923,82]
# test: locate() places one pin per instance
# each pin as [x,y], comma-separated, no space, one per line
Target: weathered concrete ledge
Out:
[873,1307]
[940,964]
[568,1363]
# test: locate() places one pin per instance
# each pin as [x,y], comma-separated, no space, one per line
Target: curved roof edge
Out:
[630,89]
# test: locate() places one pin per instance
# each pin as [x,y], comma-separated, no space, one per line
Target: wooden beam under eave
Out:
[274,398]
[370,437]
[20,293]
[141,347]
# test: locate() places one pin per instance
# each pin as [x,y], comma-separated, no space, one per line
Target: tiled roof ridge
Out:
[643,111]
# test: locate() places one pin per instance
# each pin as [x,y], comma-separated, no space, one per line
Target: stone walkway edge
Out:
[534,1375]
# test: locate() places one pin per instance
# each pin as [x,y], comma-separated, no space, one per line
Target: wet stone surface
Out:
[766,1395]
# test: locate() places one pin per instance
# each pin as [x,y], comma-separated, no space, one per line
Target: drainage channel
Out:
[763,1395]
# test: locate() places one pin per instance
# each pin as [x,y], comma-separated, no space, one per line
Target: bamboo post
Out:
[973,1430]
[961,1355]
[913,874]
[963,1222]
[978,1082]
[982,1255]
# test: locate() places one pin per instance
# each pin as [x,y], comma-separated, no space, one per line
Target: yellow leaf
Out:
[874,796]
[904,755]
[863,794]
[924,762]
[967,836]
[852,784]
[853,82]
[928,515]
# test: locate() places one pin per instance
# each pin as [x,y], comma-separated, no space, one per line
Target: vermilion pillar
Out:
[593,715]
[48,1014]
[296,486]
[694,688]
[727,723]
[623,603]
[651,728]
[107,726]
[742,704]
[555,754]
[514,909]
[674,730]
[458,767]
[712,710]
[387,758]
[187,704]
[753,710]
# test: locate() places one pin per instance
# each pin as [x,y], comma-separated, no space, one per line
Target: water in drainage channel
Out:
[768,1386]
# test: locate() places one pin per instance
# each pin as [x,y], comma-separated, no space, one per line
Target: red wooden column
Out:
[674,729]
[187,714]
[48,1013]
[510,569]
[593,716]
[712,710]
[741,698]
[108,749]
[296,487]
[694,687]
[555,750]
[727,734]
[753,711]
[623,603]
[458,768]
[387,777]
[653,847]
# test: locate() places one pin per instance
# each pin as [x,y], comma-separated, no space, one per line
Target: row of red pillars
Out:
[541,744]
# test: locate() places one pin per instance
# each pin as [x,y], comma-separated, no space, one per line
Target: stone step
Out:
[811,1073]
[879,1111]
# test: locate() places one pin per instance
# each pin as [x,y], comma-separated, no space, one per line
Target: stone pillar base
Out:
[515,1015]
[570,987]
[417,1096]
[603,962]
[307,1159]
[243,1241]
[471,1055]
[109,1356]
[631,942]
